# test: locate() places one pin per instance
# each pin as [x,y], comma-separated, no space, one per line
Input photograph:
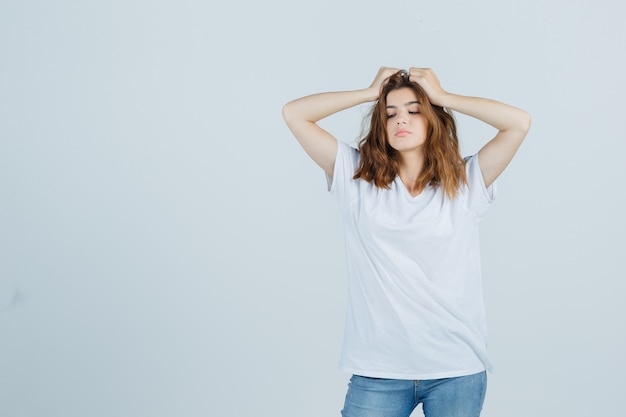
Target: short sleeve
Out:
[341,183]
[479,197]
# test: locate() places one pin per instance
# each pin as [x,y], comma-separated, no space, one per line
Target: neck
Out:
[411,166]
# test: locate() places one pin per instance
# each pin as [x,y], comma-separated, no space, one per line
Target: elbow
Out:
[525,122]
[288,112]
[520,123]
[285,112]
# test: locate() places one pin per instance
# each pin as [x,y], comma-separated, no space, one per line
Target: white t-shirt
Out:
[415,306]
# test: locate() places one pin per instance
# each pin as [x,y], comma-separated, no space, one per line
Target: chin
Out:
[408,147]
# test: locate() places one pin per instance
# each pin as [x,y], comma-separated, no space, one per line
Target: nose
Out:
[401,117]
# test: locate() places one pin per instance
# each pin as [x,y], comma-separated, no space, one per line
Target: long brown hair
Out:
[443,164]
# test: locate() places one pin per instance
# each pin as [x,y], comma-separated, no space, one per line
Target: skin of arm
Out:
[302,115]
[512,123]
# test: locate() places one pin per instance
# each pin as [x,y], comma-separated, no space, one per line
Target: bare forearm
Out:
[318,106]
[499,115]
[303,114]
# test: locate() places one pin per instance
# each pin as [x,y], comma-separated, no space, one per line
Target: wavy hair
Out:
[443,164]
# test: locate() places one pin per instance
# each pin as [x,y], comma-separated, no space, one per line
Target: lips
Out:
[402,133]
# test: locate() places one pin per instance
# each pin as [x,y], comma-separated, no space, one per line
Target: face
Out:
[406,125]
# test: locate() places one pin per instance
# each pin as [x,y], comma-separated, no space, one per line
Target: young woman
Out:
[415,326]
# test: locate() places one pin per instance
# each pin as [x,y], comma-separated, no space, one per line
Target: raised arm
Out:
[512,123]
[302,115]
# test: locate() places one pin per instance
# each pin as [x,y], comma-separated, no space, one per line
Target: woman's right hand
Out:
[302,115]
[383,74]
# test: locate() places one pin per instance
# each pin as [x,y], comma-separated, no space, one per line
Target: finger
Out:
[390,71]
[422,71]
[415,74]
[421,75]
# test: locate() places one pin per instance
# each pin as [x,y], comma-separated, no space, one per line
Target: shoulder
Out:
[346,161]
[348,153]
[472,168]
[479,196]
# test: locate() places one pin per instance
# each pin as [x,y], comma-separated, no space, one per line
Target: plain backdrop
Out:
[167,248]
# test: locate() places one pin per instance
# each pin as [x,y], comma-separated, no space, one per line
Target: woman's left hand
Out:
[512,123]
[427,79]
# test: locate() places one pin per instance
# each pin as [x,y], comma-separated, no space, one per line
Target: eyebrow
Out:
[406,104]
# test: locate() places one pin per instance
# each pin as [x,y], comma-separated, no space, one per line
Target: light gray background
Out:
[167,249]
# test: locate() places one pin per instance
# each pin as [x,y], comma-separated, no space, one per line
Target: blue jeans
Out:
[448,397]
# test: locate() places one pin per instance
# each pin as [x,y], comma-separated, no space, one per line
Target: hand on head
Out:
[425,77]
[383,74]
